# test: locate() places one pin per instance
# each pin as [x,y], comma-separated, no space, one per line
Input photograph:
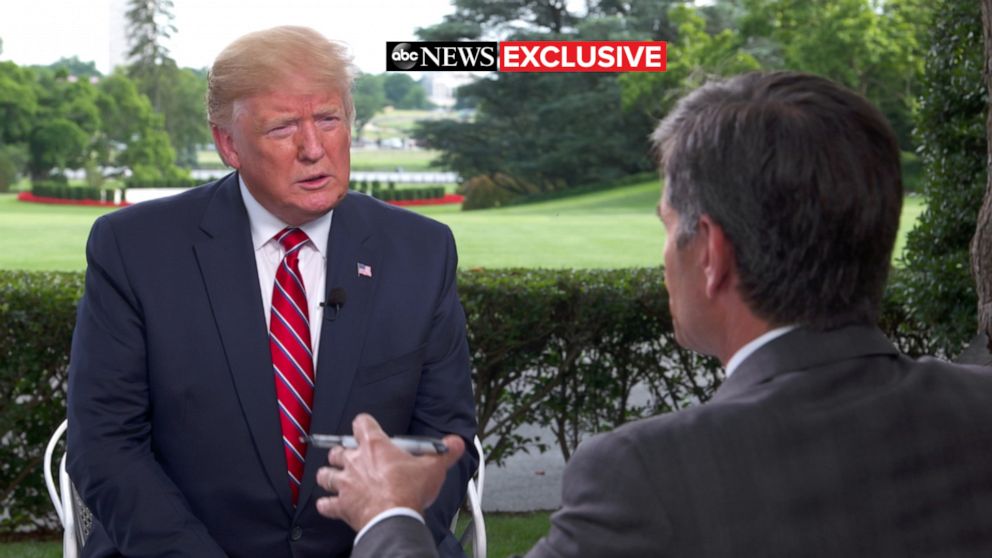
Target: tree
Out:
[76,67]
[18,102]
[65,125]
[473,17]
[695,57]
[149,25]
[981,245]
[937,288]
[403,92]
[184,111]
[369,100]
[873,48]
[535,128]
[134,134]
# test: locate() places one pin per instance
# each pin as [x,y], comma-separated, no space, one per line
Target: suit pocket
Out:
[406,362]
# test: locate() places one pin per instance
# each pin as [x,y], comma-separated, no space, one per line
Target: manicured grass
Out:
[398,123]
[611,228]
[510,533]
[41,236]
[41,549]
[391,159]
[507,534]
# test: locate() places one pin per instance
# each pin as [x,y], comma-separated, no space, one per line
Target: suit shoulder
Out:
[393,218]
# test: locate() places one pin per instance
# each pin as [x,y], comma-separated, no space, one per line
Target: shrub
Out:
[556,348]
[938,288]
[485,191]
[37,314]
[137,182]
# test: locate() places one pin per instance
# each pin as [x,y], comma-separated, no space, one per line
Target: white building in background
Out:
[441,86]
[117,32]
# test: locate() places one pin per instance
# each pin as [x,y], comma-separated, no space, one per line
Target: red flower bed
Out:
[29,197]
[449,198]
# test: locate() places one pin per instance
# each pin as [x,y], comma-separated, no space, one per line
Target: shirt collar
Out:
[265,225]
[755,344]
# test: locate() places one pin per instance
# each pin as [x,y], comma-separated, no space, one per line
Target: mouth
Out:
[314,181]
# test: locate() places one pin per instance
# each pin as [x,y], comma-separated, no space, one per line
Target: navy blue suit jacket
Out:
[174,436]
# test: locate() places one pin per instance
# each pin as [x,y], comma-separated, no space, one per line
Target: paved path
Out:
[526,482]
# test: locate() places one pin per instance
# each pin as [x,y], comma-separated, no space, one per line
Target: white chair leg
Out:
[70,546]
[53,493]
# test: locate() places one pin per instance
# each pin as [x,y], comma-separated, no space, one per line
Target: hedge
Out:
[557,348]
[163,183]
[390,192]
[48,189]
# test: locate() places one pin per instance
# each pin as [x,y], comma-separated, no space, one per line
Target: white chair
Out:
[75,518]
[476,528]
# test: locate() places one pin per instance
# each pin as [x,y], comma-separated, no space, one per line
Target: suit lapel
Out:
[352,241]
[801,349]
[227,264]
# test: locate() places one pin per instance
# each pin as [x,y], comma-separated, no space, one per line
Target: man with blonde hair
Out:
[221,325]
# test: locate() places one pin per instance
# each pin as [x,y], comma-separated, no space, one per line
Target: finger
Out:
[328,507]
[336,457]
[366,429]
[325,478]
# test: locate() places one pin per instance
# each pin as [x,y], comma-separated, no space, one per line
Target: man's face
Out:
[685,282]
[291,146]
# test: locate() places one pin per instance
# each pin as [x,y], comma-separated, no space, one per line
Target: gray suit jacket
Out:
[820,444]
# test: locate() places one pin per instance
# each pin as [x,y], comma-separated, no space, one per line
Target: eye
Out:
[280,130]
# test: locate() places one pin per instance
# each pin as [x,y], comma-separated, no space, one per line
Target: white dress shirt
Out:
[269,254]
[755,344]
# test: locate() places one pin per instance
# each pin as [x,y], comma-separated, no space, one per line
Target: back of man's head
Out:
[261,61]
[803,176]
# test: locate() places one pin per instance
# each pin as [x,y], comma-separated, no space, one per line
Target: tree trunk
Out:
[981,244]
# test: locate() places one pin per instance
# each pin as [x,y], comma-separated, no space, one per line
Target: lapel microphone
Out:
[335,300]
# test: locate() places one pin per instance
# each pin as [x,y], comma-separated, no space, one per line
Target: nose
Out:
[310,148]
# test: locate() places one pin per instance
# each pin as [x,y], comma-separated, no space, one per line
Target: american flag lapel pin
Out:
[364,270]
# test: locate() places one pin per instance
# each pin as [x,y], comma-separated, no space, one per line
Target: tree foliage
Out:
[402,92]
[951,132]
[50,121]
[697,56]
[176,93]
[370,99]
[149,25]
[875,48]
[474,17]
[536,129]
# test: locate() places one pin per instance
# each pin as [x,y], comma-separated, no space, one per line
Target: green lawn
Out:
[507,534]
[390,159]
[612,228]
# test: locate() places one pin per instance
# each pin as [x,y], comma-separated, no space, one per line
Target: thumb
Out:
[456,447]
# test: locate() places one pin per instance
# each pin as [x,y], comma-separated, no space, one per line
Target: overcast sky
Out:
[42,31]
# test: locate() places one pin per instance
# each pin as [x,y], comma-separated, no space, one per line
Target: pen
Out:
[411,444]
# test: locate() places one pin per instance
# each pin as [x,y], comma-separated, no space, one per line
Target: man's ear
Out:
[718,263]
[225,146]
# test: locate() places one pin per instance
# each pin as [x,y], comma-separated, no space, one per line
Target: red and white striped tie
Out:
[292,356]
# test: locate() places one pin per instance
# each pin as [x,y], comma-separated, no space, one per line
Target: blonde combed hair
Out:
[257,62]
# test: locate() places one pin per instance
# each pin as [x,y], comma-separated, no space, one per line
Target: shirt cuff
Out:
[391,512]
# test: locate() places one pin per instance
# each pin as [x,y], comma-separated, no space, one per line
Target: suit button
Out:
[296,534]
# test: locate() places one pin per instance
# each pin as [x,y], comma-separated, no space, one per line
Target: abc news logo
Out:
[438,56]
[527,56]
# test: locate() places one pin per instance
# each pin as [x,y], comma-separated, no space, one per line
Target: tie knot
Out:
[291,239]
